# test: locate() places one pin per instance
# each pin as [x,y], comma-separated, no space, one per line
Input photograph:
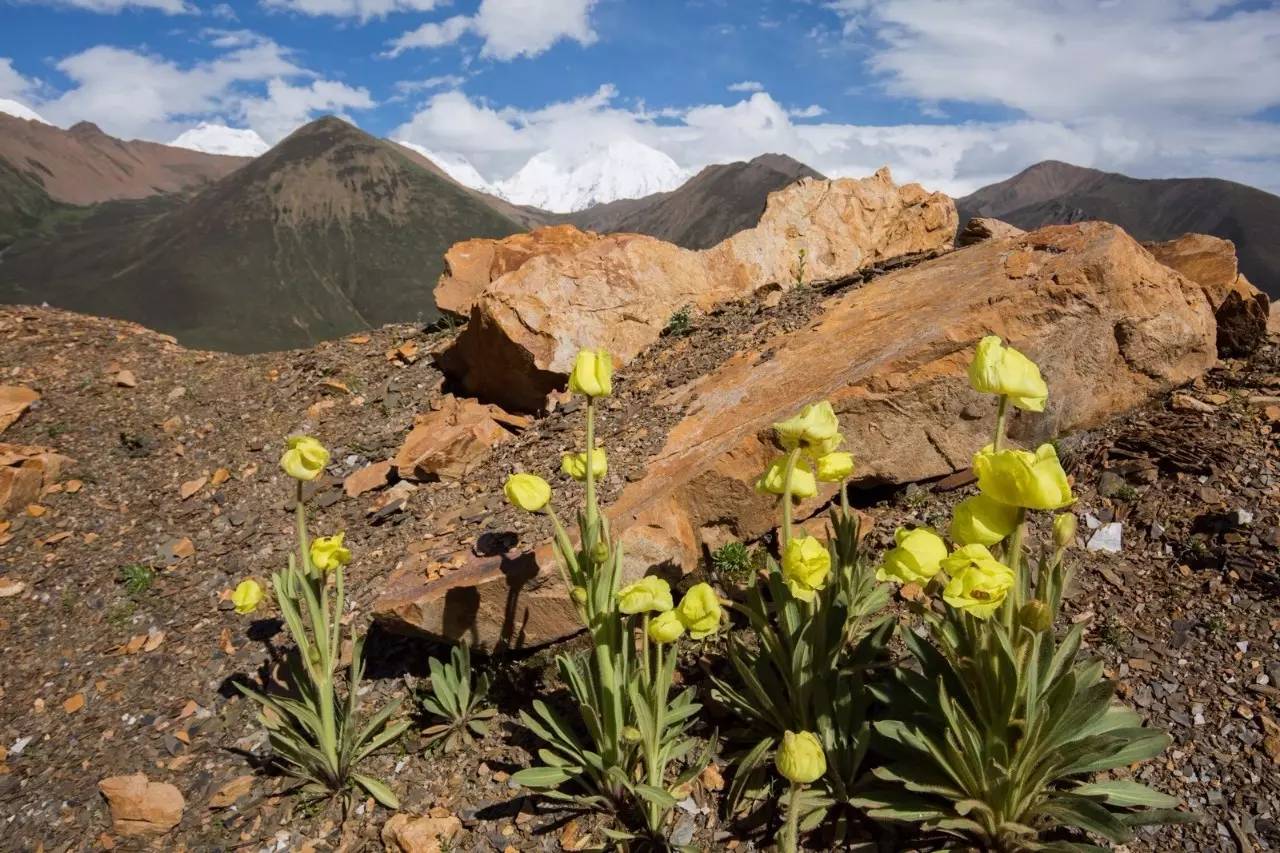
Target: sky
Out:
[955,94]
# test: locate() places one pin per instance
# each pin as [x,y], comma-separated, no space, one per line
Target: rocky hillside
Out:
[1053,192]
[329,232]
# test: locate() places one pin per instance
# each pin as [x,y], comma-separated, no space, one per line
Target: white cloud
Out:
[747,86]
[507,28]
[956,158]
[811,111]
[362,9]
[15,85]
[442,81]
[112,7]
[285,106]
[140,95]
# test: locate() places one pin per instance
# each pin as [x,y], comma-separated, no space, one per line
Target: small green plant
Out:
[1112,634]
[316,734]
[732,563]
[457,696]
[137,578]
[121,613]
[1126,492]
[801,256]
[629,746]
[681,322]
[1216,623]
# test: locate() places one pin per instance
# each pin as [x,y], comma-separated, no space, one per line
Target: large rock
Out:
[980,228]
[618,291]
[14,400]
[471,265]
[141,807]
[1109,325]
[1240,309]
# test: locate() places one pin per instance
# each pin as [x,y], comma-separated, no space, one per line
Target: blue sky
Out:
[954,93]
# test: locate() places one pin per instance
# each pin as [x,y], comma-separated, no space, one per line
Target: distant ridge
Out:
[714,204]
[1149,209]
[330,231]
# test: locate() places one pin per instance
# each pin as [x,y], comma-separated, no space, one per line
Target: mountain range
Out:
[333,230]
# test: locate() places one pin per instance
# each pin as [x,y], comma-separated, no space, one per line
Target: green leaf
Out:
[1143,744]
[545,777]
[1086,814]
[657,796]
[376,789]
[1126,793]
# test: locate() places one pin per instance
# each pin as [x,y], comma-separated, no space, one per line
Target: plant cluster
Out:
[990,733]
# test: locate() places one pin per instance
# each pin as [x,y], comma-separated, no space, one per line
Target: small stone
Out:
[1107,538]
[140,806]
[1110,484]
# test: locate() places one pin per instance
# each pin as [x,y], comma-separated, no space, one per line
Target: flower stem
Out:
[789,841]
[792,458]
[593,512]
[1002,413]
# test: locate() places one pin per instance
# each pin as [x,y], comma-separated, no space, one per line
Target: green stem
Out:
[324,647]
[654,746]
[789,840]
[792,458]
[1014,561]
[593,512]
[1002,414]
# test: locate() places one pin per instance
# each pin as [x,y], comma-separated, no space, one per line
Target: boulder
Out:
[449,441]
[1110,326]
[404,833]
[1240,308]
[14,400]
[141,807]
[981,228]
[618,291]
[471,265]
[25,472]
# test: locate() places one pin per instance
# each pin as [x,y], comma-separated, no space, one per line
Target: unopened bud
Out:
[580,594]
[1064,530]
[631,734]
[1035,615]
[600,552]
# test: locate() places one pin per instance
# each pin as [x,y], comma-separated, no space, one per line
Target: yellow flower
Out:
[979,582]
[806,563]
[916,559]
[801,759]
[699,611]
[1001,370]
[773,480]
[592,374]
[529,492]
[328,552]
[575,464]
[665,627]
[247,596]
[835,467]
[1064,530]
[648,593]
[1021,478]
[305,458]
[981,520]
[815,429]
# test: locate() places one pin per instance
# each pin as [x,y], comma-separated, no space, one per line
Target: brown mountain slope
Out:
[83,165]
[1055,192]
[329,232]
[713,205]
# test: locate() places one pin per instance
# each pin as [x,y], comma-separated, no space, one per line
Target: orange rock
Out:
[1110,327]
[618,291]
[404,833]
[981,228]
[14,400]
[231,791]
[142,807]
[25,472]
[126,379]
[368,478]
[451,441]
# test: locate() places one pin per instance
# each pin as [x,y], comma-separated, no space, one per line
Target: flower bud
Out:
[666,627]
[592,374]
[575,465]
[1001,370]
[700,611]
[600,553]
[247,596]
[1035,615]
[806,565]
[579,594]
[631,734]
[305,458]
[529,492]
[800,758]
[835,467]
[328,553]
[1064,530]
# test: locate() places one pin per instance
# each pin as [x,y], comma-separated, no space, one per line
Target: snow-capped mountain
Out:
[22,111]
[454,165]
[562,183]
[220,139]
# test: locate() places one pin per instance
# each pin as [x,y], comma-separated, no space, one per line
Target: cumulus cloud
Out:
[133,94]
[15,85]
[811,111]
[361,9]
[746,86]
[507,29]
